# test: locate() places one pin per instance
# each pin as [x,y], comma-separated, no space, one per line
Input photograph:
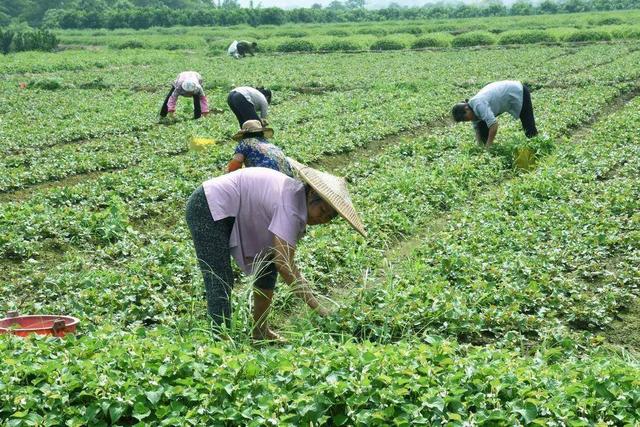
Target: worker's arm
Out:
[235,163]
[261,104]
[204,105]
[283,257]
[171,102]
[493,130]
[165,105]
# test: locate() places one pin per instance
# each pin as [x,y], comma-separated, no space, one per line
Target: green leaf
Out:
[154,396]
[140,411]
[115,412]
[340,419]
[529,412]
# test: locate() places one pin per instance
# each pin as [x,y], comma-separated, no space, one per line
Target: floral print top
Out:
[259,152]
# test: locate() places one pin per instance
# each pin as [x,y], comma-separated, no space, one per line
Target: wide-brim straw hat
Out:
[333,189]
[253,126]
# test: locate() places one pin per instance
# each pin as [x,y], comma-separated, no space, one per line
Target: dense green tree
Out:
[146,13]
[574,6]
[548,6]
[494,8]
[522,7]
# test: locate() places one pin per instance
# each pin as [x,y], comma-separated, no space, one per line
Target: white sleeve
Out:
[233,48]
[262,105]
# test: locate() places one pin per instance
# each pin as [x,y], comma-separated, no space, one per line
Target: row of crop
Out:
[556,248]
[385,117]
[403,40]
[155,378]
[152,71]
[120,377]
[306,143]
[129,103]
[443,40]
[296,140]
[197,37]
[396,197]
[128,96]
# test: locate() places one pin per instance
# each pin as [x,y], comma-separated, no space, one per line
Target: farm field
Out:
[485,293]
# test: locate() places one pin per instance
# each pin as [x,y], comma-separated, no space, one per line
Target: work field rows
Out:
[486,291]
[388,35]
[95,130]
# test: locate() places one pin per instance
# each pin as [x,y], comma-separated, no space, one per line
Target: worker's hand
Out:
[264,122]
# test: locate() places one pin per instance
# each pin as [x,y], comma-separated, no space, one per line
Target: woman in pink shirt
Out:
[188,83]
[257,215]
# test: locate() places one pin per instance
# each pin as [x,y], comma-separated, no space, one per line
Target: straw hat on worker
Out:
[257,216]
[251,127]
[255,150]
[333,190]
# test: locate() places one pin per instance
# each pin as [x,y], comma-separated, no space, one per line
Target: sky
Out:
[288,4]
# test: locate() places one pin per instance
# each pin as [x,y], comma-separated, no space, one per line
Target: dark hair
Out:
[253,135]
[266,92]
[459,111]
[254,44]
[318,198]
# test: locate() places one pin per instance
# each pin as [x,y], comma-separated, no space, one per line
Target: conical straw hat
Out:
[333,190]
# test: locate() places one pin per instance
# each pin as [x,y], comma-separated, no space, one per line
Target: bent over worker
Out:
[255,150]
[241,48]
[189,84]
[506,96]
[246,101]
[257,215]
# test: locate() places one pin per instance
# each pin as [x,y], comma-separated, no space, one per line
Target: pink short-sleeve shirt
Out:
[264,203]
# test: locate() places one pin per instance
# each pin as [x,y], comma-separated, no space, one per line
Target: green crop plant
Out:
[485,294]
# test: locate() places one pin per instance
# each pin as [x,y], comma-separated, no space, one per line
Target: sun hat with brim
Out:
[333,189]
[252,126]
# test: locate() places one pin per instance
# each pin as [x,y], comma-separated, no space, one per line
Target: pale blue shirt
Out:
[497,98]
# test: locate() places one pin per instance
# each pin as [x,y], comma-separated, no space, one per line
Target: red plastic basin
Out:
[22,326]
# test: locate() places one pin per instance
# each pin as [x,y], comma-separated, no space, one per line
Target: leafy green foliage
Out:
[480,296]
[430,41]
[295,46]
[526,37]
[474,38]
[386,44]
[588,36]
[19,41]
[339,45]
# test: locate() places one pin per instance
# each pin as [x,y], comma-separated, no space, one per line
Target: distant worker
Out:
[255,150]
[241,48]
[246,101]
[506,96]
[257,215]
[188,83]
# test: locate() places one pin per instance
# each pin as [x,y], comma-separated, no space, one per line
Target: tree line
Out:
[139,14]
